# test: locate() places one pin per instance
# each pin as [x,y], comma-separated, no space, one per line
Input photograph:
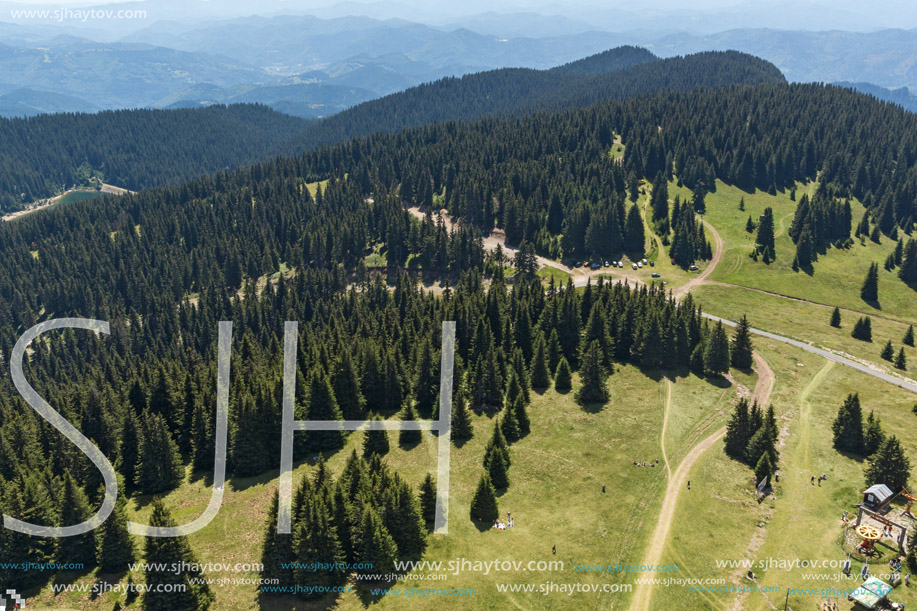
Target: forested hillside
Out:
[133,149]
[616,74]
[263,244]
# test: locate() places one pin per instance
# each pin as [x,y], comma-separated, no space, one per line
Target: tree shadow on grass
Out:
[719,381]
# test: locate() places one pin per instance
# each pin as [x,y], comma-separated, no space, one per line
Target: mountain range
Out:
[315,67]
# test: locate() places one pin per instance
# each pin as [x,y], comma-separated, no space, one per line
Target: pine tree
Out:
[593,388]
[426,382]
[848,426]
[749,225]
[276,549]
[461,421]
[202,439]
[172,567]
[901,360]
[522,417]
[407,437]
[129,452]
[563,379]
[375,441]
[113,545]
[74,509]
[741,353]
[836,318]
[908,339]
[378,548]
[402,517]
[764,467]
[497,469]
[765,236]
[888,352]
[862,329]
[541,377]
[889,465]
[159,467]
[346,386]
[428,499]
[315,542]
[510,426]
[484,502]
[716,352]
[908,270]
[870,290]
[737,431]
[873,435]
[322,405]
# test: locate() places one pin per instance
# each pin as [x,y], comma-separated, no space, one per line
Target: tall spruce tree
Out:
[716,352]
[848,426]
[541,377]
[870,290]
[741,352]
[428,499]
[74,509]
[113,545]
[593,387]
[563,379]
[461,428]
[322,405]
[484,502]
[873,435]
[889,465]
[375,441]
[408,437]
[738,431]
[171,579]
[836,318]
[159,467]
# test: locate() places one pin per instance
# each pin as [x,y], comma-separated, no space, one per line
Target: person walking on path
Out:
[554,550]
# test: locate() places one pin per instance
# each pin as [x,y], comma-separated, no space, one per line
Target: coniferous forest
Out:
[286,239]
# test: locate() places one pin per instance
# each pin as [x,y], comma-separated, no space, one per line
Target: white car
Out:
[607,264]
[634,265]
[621,264]
[640,264]
[644,261]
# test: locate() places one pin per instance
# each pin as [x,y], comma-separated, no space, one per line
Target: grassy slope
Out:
[555,498]
[837,275]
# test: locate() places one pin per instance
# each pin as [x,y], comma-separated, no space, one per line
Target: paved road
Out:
[907,385]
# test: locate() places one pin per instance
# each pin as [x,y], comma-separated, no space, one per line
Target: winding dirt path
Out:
[701,278]
[643,593]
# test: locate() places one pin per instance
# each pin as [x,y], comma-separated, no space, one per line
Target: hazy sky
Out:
[699,16]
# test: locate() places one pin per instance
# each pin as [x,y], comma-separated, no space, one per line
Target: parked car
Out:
[652,264]
[693,268]
[656,275]
[640,264]
[644,261]
[596,265]
[607,264]
[621,264]
[575,264]
[634,265]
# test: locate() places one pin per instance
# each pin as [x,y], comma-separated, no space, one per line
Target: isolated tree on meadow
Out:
[870,290]
[742,348]
[888,352]
[908,339]
[901,360]
[484,502]
[836,318]
[862,329]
